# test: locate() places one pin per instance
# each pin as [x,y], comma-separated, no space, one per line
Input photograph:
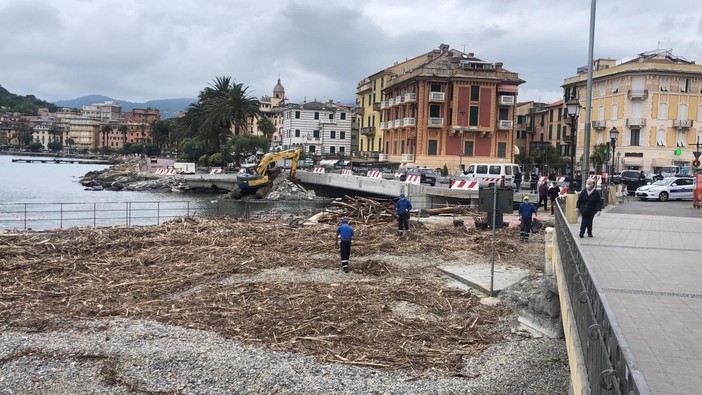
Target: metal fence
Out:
[42,216]
[607,357]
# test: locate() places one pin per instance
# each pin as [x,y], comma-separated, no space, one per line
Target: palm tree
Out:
[105,131]
[266,126]
[142,127]
[123,129]
[226,104]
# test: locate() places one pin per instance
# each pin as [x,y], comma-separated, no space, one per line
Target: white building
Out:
[318,128]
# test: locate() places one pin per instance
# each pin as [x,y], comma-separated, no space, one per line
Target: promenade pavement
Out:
[650,271]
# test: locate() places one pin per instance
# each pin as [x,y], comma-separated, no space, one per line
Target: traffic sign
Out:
[695,163]
[697,154]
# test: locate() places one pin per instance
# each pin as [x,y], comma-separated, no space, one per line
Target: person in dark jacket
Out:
[553,194]
[517,180]
[543,196]
[344,233]
[589,205]
[403,207]
[533,181]
[526,212]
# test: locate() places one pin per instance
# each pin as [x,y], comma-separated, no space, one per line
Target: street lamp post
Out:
[573,109]
[613,134]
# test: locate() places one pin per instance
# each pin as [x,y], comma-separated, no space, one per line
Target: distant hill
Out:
[10,102]
[169,107]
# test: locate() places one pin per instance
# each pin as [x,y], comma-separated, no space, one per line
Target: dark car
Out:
[630,178]
[426,176]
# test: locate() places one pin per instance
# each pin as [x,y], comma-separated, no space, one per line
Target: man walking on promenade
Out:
[526,211]
[589,204]
[403,207]
[345,233]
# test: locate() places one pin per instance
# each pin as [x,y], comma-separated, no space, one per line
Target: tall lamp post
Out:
[613,134]
[573,109]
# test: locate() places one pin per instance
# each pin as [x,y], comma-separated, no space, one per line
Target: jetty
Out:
[64,160]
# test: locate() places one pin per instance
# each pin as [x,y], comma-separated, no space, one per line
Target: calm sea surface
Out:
[49,195]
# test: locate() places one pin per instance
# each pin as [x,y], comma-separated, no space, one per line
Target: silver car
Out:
[668,188]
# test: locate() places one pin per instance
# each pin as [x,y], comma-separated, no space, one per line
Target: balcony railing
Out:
[682,123]
[383,125]
[407,158]
[408,121]
[384,104]
[369,131]
[399,99]
[327,121]
[635,122]
[599,124]
[376,106]
[360,110]
[382,157]
[506,100]
[436,122]
[637,94]
[391,102]
[436,96]
[504,124]
[410,97]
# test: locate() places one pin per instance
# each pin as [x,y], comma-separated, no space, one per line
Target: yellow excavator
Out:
[257,178]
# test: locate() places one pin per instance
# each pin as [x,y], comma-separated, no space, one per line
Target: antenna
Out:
[464,48]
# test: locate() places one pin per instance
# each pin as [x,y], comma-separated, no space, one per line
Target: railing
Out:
[408,121]
[369,131]
[407,158]
[640,94]
[436,122]
[607,357]
[410,96]
[682,123]
[635,122]
[436,96]
[599,124]
[43,216]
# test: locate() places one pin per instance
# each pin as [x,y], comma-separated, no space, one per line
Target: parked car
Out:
[668,188]
[426,176]
[630,178]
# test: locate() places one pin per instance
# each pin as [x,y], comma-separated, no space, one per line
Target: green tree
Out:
[266,127]
[191,149]
[226,105]
[152,149]
[160,133]
[35,146]
[598,156]
[245,146]
[142,128]
[124,130]
[105,130]
[54,146]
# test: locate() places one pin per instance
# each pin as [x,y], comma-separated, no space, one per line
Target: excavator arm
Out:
[273,157]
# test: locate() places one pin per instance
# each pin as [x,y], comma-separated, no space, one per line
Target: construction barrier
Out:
[375,174]
[564,191]
[346,172]
[413,179]
[216,171]
[166,171]
[459,184]
[318,170]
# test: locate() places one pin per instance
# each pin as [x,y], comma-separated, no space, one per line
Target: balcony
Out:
[383,125]
[436,122]
[384,104]
[410,97]
[682,123]
[359,110]
[382,157]
[504,124]
[376,106]
[408,121]
[399,100]
[437,96]
[369,131]
[391,102]
[599,124]
[407,158]
[637,94]
[327,121]
[635,122]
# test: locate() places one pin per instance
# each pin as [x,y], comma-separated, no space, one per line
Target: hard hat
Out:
[526,198]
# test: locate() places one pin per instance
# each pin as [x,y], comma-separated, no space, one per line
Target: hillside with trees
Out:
[10,102]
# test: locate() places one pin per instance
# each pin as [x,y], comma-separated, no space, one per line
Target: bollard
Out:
[571,203]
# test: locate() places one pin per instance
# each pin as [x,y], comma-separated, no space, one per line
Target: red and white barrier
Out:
[166,171]
[346,172]
[375,174]
[413,179]
[216,171]
[490,179]
[563,191]
[318,170]
[598,180]
[460,184]
[543,180]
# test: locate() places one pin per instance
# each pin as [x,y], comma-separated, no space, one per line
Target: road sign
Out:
[695,163]
[697,154]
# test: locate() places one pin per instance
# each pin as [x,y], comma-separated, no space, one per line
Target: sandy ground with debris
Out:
[273,285]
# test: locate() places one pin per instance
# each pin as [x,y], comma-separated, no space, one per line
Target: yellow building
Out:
[653,100]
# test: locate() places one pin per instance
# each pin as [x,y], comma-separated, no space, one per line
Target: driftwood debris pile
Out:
[267,284]
[367,210]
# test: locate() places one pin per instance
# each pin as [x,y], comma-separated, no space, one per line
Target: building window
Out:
[315,134]
[660,137]
[550,131]
[635,135]
[331,116]
[316,115]
[662,110]
[341,150]
[681,137]
[665,84]
[432,147]
[473,118]
[474,93]
[615,86]
[558,132]
[342,116]
[312,148]
[332,149]
[614,113]
[435,111]
[467,148]
[297,132]
[342,135]
[501,150]
[685,85]
[435,88]
[297,114]
[332,134]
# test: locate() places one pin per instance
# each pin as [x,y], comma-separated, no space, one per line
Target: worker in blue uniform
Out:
[344,234]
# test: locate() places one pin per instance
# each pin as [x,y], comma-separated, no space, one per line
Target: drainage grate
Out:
[654,293]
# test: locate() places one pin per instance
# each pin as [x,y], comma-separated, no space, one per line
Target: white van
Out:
[490,173]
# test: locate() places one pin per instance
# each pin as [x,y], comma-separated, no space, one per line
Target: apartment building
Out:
[652,99]
[452,109]
[319,129]
[138,123]
[272,107]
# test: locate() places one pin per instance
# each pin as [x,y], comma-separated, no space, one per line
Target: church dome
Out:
[279,91]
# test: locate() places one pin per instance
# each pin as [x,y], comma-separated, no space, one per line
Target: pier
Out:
[63,160]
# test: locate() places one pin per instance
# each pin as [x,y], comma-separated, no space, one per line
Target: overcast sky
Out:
[138,50]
